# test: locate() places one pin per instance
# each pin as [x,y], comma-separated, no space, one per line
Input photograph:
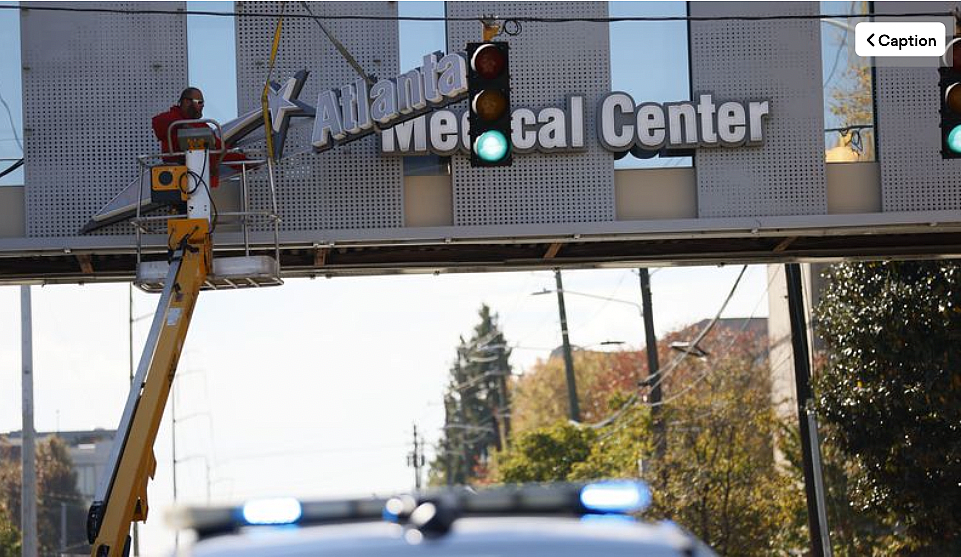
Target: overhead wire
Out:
[662,373]
[13,125]
[710,370]
[511,20]
[724,352]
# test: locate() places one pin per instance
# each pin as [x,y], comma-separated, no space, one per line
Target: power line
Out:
[623,19]
[664,372]
[727,349]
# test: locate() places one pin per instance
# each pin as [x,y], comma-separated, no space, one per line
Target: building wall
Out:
[783,386]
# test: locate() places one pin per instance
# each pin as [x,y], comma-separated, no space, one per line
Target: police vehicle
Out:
[550,520]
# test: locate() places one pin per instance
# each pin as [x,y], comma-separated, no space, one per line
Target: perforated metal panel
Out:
[348,187]
[913,176]
[541,188]
[91,83]
[778,61]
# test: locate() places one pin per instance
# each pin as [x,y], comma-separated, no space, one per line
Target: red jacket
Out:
[161,123]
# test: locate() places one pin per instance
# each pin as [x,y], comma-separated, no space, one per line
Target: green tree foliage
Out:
[855,532]
[891,393]
[56,485]
[477,405]
[718,477]
[9,535]
[545,454]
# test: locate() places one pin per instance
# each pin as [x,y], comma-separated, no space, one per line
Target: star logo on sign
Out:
[282,104]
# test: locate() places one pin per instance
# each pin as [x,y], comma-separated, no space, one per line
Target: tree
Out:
[540,396]
[855,532]
[544,454]
[56,486]
[718,477]
[891,393]
[9,536]
[477,405]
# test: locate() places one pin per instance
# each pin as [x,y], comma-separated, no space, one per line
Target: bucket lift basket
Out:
[257,267]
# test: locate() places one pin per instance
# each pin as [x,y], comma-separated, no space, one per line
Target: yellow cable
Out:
[264,105]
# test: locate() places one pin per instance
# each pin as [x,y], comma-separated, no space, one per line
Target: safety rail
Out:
[228,272]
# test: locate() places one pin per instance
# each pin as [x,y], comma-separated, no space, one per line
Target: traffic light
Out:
[489,91]
[950,86]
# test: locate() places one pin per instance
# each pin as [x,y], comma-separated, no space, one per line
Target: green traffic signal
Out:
[954,139]
[492,146]
[949,83]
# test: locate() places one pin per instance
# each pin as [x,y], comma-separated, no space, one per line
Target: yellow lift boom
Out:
[121,496]
[125,498]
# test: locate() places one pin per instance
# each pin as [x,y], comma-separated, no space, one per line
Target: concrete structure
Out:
[352,209]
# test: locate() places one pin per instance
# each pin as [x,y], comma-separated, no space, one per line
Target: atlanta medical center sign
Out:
[408,111]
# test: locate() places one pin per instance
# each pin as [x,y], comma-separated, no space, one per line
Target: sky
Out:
[313,388]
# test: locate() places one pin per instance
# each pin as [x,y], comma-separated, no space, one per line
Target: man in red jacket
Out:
[189,107]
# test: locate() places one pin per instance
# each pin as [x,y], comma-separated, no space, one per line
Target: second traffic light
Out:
[489,91]
[949,84]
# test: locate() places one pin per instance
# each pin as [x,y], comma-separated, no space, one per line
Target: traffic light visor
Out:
[491,104]
[488,61]
[952,98]
[491,146]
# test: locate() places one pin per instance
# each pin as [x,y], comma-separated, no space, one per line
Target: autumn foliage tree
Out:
[717,478]
[56,486]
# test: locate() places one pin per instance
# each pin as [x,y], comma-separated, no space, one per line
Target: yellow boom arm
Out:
[121,496]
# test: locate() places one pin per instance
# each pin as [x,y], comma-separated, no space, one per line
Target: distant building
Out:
[89,451]
[783,387]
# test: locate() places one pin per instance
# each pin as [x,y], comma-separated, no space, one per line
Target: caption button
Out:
[899,38]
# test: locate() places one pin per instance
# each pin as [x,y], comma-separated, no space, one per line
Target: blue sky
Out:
[312,388]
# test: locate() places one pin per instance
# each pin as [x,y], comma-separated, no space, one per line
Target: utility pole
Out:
[572,404]
[447,461]
[504,410]
[416,459]
[28,453]
[653,367]
[135,534]
[810,446]
[63,527]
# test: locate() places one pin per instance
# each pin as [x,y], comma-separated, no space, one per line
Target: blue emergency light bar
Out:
[611,497]
[284,510]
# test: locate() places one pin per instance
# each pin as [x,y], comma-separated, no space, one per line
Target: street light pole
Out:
[28,452]
[573,406]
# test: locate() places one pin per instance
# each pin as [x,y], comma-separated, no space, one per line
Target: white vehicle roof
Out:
[551,520]
[468,537]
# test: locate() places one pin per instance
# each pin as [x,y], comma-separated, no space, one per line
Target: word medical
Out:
[353,111]
[621,126]
[445,132]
